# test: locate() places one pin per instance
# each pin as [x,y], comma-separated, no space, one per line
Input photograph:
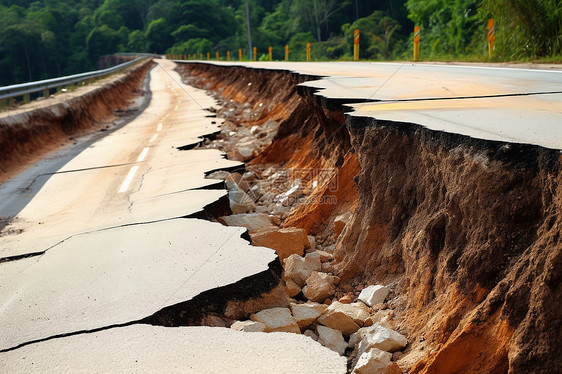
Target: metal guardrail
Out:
[23,89]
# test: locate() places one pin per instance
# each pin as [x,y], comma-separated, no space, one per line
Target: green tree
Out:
[158,35]
[102,41]
[530,28]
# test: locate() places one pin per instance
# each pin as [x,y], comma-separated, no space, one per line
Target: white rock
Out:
[375,361]
[285,241]
[252,221]
[298,268]
[277,319]
[319,286]
[290,197]
[324,256]
[312,241]
[382,317]
[330,249]
[243,151]
[340,222]
[374,294]
[305,314]
[332,339]
[356,337]
[336,317]
[311,334]
[382,338]
[240,202]
[357,311]
[248,326]
[291,288]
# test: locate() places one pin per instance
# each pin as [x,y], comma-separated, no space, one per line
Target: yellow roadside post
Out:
[200,55]
[307,52]
[217,55]
[239,54]
[270,56]
[287,52]
[188,57]
[416,43]
[491,37]
[356,45]
[255,54]
[227,55]
[208,56]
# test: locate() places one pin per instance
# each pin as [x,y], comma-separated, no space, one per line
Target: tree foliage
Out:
[45,38]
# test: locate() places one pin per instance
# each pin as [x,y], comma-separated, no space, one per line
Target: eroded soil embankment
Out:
[26,135]
[465,232]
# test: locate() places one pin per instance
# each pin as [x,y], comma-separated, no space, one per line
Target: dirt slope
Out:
[466,232]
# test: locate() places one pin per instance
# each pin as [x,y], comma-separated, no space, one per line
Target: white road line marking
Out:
[142,155]
[159,127]
[129,179]
[153,138]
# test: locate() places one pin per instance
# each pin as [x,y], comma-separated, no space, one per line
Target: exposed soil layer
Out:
[25,135]
[465,232]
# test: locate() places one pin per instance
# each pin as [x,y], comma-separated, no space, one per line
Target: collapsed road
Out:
[443,186]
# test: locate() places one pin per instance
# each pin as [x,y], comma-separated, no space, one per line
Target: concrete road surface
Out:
[506,104]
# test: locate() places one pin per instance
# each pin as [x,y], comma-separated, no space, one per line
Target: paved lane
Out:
[114,250]
[494,103]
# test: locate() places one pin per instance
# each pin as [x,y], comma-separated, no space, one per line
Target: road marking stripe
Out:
[153,138]
[142,155]
[159,127]
[129,179]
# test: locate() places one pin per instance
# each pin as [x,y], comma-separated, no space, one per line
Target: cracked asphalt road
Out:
[99,244]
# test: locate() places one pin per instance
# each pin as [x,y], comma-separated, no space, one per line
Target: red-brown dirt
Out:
[466,232]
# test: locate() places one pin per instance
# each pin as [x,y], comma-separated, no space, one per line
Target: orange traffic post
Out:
[491,37]
[307,52]
[270,56]
[217,55]
[287,52]
[227,55]
[239,54]
[416,43]
[208,56]
[356,45]
[200,55]
[255,54]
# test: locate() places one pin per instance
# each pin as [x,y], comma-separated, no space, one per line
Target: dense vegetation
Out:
[46,38]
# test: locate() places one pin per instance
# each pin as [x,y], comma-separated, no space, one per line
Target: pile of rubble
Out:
[357,326]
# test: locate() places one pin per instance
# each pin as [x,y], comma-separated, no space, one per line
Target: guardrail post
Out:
[416,43]
[46,93]
[356,45]
[26,98]
[491,37]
